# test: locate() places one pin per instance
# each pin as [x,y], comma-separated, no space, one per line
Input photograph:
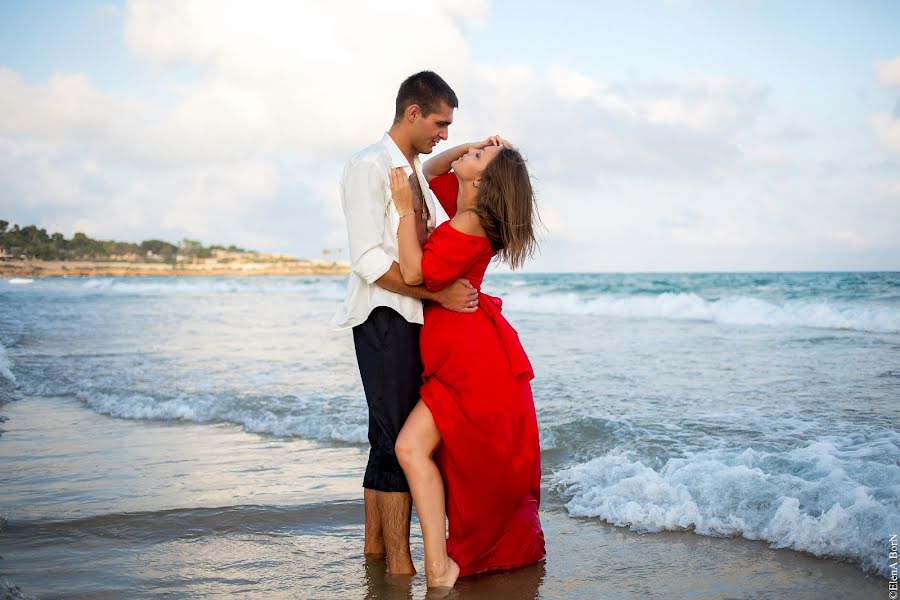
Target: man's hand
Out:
[459,296]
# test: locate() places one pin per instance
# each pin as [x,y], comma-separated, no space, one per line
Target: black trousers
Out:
[390,364]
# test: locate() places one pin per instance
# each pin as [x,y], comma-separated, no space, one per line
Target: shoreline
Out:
[85,268]
[229,511]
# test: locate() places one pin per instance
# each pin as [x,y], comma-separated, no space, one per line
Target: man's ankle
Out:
[400,564]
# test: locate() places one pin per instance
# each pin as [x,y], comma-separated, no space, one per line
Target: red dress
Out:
[476,384]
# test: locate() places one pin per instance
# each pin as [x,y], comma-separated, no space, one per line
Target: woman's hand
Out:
[401,191]
[494,140]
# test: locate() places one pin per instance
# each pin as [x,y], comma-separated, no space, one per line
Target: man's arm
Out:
[363,204]
[459,296]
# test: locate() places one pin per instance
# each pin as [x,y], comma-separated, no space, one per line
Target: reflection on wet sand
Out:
[517,584]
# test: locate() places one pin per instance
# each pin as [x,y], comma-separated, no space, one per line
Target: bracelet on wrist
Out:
[407,213]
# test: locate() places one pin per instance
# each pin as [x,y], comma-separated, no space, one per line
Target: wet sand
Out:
[98,507]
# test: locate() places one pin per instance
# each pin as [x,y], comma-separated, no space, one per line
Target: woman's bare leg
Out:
[415,448]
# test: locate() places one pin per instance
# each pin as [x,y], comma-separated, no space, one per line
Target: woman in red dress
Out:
[470,447]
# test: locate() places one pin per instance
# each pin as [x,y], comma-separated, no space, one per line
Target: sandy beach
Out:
[99,507]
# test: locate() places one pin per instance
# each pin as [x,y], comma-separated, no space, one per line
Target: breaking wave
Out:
[828,497]
[734,310]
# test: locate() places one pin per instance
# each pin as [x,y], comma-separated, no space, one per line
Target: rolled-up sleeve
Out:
[362,197]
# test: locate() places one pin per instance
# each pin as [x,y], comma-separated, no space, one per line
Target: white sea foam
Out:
[803,499]
[6,366]
[330,288]
[737,310]
[519,295]
[548,439]
[301,420]
[178,286]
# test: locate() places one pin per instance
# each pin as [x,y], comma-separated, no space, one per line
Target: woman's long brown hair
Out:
[507,208]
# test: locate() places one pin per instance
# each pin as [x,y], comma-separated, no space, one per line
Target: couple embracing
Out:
[447,382]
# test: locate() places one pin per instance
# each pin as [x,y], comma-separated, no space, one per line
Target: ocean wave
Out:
[734,310]
[804,499]
[593,431]
[6,366]
[13,592]
[548,439]
[283,417]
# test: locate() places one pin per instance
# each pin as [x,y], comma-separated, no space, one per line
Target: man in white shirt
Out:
[386,314]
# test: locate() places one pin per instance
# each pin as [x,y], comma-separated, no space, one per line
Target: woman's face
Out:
[472,164]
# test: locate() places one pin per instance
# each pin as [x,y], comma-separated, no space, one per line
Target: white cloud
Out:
[643,174]
[67,106]
[887,130]
[294,76]
[886,126]
[888,72]
[849,237]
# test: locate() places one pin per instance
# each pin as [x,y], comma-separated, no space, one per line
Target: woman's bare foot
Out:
[443,574]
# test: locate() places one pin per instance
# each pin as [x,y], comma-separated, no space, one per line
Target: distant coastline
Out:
[203,267]
[33,252]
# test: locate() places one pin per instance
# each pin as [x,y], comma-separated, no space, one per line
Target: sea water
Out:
[761,405]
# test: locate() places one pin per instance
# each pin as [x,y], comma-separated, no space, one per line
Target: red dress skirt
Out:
[476,384]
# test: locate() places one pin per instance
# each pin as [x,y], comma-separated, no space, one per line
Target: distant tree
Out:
[193,249]
[31,241]
[59,246]
[80,244]
[158,248]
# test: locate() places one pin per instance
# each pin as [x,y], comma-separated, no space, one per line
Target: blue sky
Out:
[663,136]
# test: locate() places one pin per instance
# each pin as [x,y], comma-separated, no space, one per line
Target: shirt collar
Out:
[397,158]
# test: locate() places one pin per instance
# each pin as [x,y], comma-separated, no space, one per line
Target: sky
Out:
[661,135]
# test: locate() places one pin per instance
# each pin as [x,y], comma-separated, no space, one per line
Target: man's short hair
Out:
[427,90]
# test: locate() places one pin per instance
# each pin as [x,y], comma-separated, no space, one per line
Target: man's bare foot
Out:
[443,574]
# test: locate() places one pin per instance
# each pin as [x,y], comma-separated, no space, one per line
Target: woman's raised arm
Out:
[440,164]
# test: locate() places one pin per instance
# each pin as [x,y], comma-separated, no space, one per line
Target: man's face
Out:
[428,131]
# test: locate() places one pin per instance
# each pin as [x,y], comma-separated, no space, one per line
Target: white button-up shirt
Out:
[372,222]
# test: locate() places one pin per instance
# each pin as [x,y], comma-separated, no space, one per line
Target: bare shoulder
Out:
[468,222]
